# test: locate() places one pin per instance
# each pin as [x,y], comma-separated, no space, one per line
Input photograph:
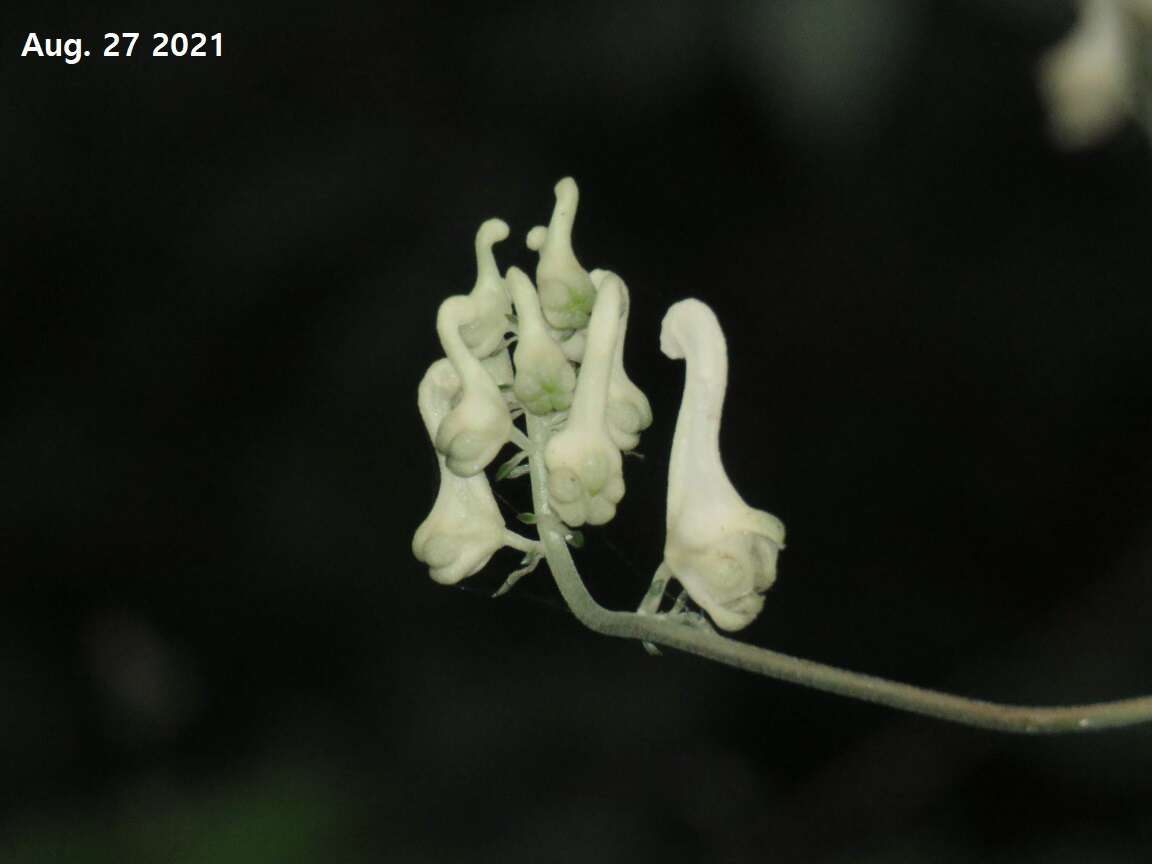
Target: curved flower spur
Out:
[586,474]
[721,550]
[580,411]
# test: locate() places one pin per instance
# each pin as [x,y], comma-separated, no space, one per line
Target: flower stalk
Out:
[671,632]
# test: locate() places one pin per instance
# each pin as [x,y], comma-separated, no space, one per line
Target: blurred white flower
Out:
[1091,80]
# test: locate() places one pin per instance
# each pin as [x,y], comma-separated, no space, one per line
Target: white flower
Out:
[566,291]
[488,323]
[721,550]
[479,425]
[629,412]
[465,527]
[545,380]
[586,479]
[1089,78]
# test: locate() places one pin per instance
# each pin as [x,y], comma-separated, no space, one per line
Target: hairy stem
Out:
[662,630]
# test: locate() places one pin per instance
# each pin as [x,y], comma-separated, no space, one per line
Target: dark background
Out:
[220,279]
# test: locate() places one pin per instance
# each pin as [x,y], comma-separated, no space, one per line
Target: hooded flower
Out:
[465,527]
[721,550]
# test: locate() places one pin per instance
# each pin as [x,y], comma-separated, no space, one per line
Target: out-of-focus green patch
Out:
[283,817]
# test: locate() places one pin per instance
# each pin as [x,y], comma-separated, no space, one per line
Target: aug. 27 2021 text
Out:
[71,49]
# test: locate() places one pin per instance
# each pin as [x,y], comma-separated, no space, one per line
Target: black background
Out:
[220,279]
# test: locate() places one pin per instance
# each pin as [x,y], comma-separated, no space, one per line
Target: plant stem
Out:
[519,439]
[707,643]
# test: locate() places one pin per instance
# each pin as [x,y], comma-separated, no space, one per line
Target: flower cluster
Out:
[566,368]
[566,378]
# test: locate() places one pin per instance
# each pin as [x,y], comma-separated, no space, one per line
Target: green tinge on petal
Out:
[542,394]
